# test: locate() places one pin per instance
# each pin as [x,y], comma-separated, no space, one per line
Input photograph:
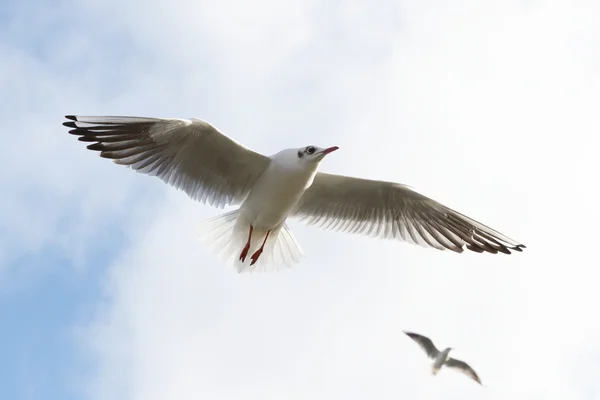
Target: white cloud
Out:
[488,108]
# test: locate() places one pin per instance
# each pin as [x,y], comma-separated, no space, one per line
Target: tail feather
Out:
[215,232]
[285,252]
[226,235]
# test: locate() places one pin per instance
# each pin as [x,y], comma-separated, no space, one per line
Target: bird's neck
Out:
[297,171]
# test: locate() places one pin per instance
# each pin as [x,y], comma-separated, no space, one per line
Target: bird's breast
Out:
[273,196]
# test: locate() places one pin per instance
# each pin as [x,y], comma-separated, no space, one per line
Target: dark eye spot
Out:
[300,154]
[310,150]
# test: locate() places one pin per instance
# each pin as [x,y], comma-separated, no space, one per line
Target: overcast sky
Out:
[490,107]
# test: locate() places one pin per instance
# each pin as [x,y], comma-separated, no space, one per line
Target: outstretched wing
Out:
[425,343]
[188,154]
[395,211]
[464,368]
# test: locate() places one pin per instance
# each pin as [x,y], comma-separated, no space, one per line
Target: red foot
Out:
[258,252]
[247,246]
[255,256]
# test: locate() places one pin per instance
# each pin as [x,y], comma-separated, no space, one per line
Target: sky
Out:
[490,107]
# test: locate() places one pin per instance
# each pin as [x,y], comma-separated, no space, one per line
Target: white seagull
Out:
[193,156]
[442,358]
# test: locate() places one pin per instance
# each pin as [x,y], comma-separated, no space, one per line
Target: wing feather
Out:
[463,367]
[425,343]
[394,211]
[190,155]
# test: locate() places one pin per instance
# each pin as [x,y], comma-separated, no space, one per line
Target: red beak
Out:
[329,150]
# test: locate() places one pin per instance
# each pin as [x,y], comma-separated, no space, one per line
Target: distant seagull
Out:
[195,157]
[442,358]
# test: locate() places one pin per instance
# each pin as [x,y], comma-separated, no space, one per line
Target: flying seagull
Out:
[194,156]
[442,358]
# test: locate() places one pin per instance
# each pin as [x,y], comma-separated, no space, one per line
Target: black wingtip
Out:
[476,249]
[71,117]
[519,248]
[70,124]
[96,146]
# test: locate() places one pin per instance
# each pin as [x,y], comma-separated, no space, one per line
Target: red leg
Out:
[259,251]
[247,246]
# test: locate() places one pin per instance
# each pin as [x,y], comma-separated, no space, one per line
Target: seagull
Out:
[442,358]
[194,156]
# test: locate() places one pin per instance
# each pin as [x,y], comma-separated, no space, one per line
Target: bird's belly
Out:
[270,201]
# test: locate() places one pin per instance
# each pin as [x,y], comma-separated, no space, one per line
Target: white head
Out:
[304,157]
[447,352]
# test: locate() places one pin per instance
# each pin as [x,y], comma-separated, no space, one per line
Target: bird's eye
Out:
[310,150]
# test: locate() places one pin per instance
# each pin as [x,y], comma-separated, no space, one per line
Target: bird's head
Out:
[447,351]
[313,154]
[304,158]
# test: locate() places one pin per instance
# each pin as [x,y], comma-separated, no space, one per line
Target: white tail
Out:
[226,235]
